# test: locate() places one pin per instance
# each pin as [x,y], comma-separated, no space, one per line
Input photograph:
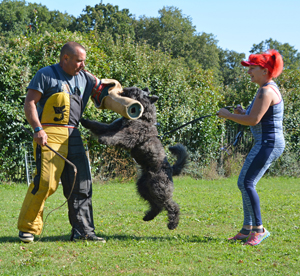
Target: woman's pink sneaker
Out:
[239,237]
[257,238]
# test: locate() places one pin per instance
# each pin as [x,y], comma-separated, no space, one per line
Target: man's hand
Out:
[40,137]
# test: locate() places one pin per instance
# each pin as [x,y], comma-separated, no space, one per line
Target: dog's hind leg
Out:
[173,213]
[145,193]
[163,191]
[153,211]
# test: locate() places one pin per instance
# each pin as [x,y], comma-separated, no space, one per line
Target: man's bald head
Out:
[70,49]
[72,58]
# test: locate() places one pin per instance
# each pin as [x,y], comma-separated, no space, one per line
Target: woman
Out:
[264,116]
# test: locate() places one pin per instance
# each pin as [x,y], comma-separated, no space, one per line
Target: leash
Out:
[226,148]
[237,139]
[75,174]
[193,121]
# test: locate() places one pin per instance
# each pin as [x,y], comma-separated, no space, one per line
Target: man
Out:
[56,98]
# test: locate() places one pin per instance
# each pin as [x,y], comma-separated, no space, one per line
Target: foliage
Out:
[289,82]
[230,66]
[173,32]
[204,51]
[14,73]
[241,91]
[105,18]
[19,18]
[184,94]
[187,70]
[170,32]
[211,211]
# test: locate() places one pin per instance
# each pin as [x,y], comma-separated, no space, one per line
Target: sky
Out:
[235,24]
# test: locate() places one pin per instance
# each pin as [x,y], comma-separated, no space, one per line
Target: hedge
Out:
[183,95]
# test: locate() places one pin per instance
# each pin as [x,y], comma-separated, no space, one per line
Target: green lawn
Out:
[210,213]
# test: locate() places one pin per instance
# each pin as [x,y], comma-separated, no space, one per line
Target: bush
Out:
[183,94]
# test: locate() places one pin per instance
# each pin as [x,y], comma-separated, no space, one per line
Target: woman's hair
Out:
[271,60]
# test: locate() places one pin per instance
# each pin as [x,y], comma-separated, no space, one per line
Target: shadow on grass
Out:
[66,238]
[15,239]
[180,237]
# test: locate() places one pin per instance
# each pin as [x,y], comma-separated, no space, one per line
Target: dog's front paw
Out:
[101,140]
[104,140]
[84,122]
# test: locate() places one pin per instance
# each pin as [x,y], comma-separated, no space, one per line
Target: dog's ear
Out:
[146,89]
[153,99]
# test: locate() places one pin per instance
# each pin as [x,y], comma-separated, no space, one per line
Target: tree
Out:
[13,17]
[170,32]
[174,33]
[105,18]
[290,55]
[230,65]
[17,17]
[205,51]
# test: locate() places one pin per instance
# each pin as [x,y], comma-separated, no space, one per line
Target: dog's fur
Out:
[140,137]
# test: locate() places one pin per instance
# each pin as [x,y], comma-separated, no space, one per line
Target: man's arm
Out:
[32,98]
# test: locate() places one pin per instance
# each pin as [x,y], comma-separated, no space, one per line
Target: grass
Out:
[210,213]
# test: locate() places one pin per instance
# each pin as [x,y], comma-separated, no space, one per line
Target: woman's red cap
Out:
[248,63]
[271,60]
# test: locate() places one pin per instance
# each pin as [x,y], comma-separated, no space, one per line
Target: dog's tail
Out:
[182,158]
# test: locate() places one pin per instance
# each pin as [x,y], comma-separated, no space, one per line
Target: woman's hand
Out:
[239,110]
[224,113]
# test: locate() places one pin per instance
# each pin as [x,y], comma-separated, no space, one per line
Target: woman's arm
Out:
[263,101]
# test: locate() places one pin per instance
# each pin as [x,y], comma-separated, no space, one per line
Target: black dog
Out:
[140,136]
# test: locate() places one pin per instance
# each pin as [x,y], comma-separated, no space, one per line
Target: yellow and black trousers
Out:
[50,169]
